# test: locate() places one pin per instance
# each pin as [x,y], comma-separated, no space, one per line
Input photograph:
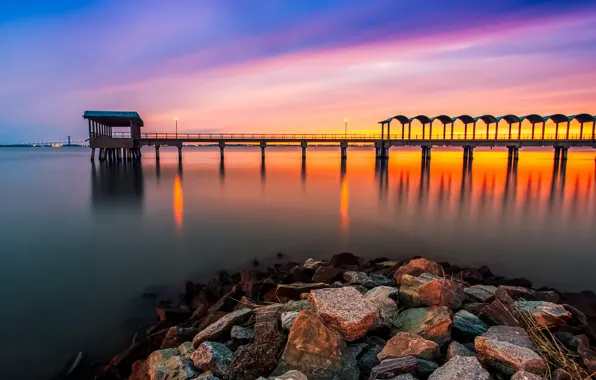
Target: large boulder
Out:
[416,267]
[408,344]
[507,358]
[214,357]
[344,310]
[430,290]
[382,298]
[259,357]
[221,327]
[458,349]
[466,326]
[432,323]
[480,293]
[501,311]
[316,351]
[292,292]
[514,335]
[546,314]
[390,368]
[459,368]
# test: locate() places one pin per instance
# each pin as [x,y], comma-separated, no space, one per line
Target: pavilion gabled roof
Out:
[114,118]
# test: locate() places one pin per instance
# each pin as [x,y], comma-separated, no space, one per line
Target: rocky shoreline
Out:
[348,318]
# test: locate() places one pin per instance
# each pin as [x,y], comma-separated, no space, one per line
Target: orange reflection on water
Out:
[178,202]
[343,204]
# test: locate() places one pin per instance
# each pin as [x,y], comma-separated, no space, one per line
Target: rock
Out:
[260,357]
[425,367]
[291,375]
[548,295]
[376,280]
[214,357]
[381,297]
[241,334]
[298,275]
[466,326]
[174,368]
[430,290]
[186,349]
[458,349]
[501,311]
[356,278]
[474,307]
[177,335]
[249,279]
[327,275]
[388,264]
[369,360]
[507,358]
[481,293]
[361,289]
[560,374]
[292,292]
[357,349]
[572,341]
[390,368]
[316,351]
[416,267]
[588,356]
[518,292]
[218,329]
[161,356]
[312,264]
[343,260]
[513,335]
[546,314]
[471,276]
[344,310]
[207,376]
[287,319]
[432,323]
[408,344]
[523,375]
[172,314]
[460,368]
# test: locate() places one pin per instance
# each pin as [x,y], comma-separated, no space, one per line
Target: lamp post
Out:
[346,129]
[176,119]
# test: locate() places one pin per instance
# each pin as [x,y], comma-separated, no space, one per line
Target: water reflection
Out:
[344,198]
[303,171]
[116,186]
[222,172]
[263,171]
[178,201]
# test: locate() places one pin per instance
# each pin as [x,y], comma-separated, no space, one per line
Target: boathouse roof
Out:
[114,118]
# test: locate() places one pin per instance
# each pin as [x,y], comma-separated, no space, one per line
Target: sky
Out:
[288,66]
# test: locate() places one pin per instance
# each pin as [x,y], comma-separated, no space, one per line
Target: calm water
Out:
[81,243]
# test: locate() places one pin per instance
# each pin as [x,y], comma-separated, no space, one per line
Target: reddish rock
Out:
[343,260]
[514,335]
[327,275]
[212,356]
[560,374]
[432,323]
[588,356]
[430,290]
[518,292]
[524,375]
[474,307]
[546,314]
[508,358]
[501,311]
[140,371]
[249,279]
[391,368]
[217,330]
[292,292]
[416,267]
[344,310]
[407,344]
[316,351]
[177,335]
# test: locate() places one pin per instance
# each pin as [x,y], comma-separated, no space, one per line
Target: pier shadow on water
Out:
[118,186]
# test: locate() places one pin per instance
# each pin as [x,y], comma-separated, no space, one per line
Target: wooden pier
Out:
[119,145]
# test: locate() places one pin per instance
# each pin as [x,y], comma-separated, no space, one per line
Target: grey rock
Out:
[523,375]
[207,376]
[507,358]
[390,368]
[214,357]
[376,280]
[292,375]
[513,335]
[458,349]
[312,264]
[241,334]
[480,293]
[218,329]
[358,349]
[287,319]
[175,368]
[381,297]
[466,326]
[459,368]
[356,278]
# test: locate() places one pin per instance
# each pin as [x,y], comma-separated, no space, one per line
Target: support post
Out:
[465,153]
[389,131]
[557,153]
[180,153]
[410,132]
[344,149]
[581,130]
[509,153]
[567,136]
[487,136]
[430,131]
[382,131]
[423,130]
[515,154]
[470,153]
[157,152]
[423,153]
[557,131]
[533,127]
[509,131]
[452,131]
[474,131]
[303,145]
[444,131]
[465,131]
[222,145]
[263,145]
[543,129]
[593,129]
[428,149]
[92,154]
[519,131]
[402,131]
[564,153]
[497,130]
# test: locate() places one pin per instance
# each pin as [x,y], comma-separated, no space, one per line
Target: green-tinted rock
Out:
[432,323]
[466,326]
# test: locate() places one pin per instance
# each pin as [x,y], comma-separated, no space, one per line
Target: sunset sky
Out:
[289,65]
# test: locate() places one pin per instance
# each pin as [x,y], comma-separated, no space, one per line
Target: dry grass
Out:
[547,346]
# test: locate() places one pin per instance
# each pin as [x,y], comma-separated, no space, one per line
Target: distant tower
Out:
[68,140]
